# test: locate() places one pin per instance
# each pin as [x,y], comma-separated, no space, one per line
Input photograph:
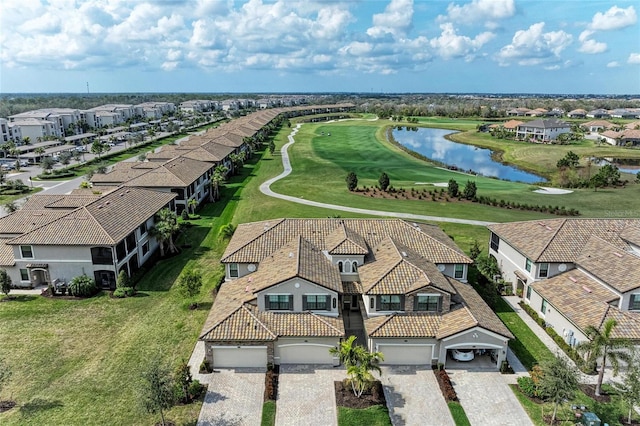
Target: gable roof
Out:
[179,172]
[603,261]
[67,202]
[253,242]
[106,221]
[560,240]
[399,270]
[549,123]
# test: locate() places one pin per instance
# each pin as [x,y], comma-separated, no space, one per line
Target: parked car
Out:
[462,354]
[81,148]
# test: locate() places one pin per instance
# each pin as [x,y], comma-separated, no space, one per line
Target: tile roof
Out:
[22,221]
[618,268]
[68,202]
[106,221]
[399,270]
[584,302]
[560,240]
[6,253]
[303,324]
[122,172]
[404,325]
[546,123]
[344,240]
[631,234]
[258,240]
[178,172]
[512,124]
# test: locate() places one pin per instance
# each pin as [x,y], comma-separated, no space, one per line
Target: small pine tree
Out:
[452,188]
[123,280]
[474,250]
[352,181]
[190,283]
[383,181]
[5,282]
[470,190]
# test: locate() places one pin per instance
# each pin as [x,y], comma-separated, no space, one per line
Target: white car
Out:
[462,354]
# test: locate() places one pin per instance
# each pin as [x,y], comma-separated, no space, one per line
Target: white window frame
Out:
[22,252]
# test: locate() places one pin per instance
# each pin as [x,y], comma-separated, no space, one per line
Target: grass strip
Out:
[458,414]
[268,414]
[377,415]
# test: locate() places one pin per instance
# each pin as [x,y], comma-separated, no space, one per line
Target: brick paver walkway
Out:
[306,395]
[414,397]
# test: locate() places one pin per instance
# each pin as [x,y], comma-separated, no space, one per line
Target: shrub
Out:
[527,386]
[185,214]
[123,280]
[205,367]
[446,387]
[82,286]
[195,389]
[119,293]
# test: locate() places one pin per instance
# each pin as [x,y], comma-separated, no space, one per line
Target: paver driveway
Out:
[234,398]
[413,397]
[487,398]
[306,395]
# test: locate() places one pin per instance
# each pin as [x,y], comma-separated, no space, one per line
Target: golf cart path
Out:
[265,188]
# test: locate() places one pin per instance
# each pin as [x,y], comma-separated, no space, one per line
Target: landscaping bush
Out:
[205,367]
[119,293]
[82,286]
[195,389]
[527,386]
[448,392]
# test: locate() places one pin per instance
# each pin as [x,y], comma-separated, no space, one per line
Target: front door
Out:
[354,302]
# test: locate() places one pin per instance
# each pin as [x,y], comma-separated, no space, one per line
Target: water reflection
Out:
[432,144]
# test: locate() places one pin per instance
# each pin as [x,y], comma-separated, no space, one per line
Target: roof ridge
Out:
[258,320]
[226,317]
[553,237]
[260,235]
[98,223]
[319,317]
[388,318]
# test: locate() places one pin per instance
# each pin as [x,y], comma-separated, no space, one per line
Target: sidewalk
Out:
[553,347]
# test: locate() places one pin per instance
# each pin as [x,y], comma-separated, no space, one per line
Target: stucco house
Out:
[542,130]
[60,237]
[574,272]
[296,287]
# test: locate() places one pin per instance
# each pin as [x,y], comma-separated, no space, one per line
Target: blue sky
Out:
[506,46]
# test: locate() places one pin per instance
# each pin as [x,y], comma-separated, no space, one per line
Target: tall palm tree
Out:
[192,204]
[217,179]
[166,225]
[359,363]
[601,345]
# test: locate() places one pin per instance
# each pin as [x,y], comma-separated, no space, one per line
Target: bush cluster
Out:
[121,292]
[271,383]
[446,387]
[557,210]
[82,286]
[527,386]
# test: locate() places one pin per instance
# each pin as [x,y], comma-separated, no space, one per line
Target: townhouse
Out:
[574,272]
[295,288]
[53,239]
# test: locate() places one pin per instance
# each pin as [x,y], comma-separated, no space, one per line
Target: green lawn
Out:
[377,415]
[321,162]
[79,362]
[458,414]
[268,414]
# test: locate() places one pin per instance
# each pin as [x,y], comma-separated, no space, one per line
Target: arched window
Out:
[340,266]
[354,266]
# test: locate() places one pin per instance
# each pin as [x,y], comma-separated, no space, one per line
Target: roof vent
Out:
[573,279]
[618,254]
[246,289]
[290,254]
[404,254]
[587,289]
[100,206]
[106,203]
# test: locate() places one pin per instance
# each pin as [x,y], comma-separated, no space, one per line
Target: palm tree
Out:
[217,179]
[192,204]
[601,345]
[15,152]
[166,225]
[347,352]
[359,363]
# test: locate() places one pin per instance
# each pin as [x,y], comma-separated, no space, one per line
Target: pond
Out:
[625,165]
[432,144]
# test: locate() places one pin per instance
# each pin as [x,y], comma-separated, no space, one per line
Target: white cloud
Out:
[589,45]
[533,46]
[634,58]
[480,10]
[451,45]
[395,20]
[614,19]
[613,64]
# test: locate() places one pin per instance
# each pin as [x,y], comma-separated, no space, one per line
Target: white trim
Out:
[306,344]
[476,346]
[481,329]
[237,347]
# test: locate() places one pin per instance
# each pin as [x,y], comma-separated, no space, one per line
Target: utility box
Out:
[590,419]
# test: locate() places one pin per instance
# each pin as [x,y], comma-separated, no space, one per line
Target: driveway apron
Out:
[306,395]
[487,398]
[414,397]
[234,397]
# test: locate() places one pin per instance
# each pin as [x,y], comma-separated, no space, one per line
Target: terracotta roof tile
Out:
[6,253]
[604,261]
[404,325]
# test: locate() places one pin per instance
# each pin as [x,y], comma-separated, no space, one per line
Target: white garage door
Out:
[406,354]
[305,354]
[243,356]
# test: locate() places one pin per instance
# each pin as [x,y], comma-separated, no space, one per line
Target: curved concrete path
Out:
[265,188]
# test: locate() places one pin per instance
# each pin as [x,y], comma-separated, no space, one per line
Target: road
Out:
[265,188]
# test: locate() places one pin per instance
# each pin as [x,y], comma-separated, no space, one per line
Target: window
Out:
[527,265]
[544,307]
[145,248]
[634,302]
[101,256]
[392,302]
[495,242]
[316,302]
[340,266]
[544,270]
[279,302]
[458,271]
[143,228]
[233,270]
[528,292]
[24,275]
[372,303]
[427,302]
[27,252]
[354,266]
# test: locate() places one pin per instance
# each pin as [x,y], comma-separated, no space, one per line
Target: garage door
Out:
[406,354]
[243,356]
[305,354]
